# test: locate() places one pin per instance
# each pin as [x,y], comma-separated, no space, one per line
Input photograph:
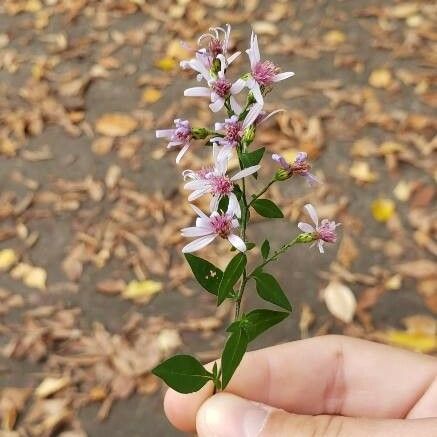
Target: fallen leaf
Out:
[334,37]
[380,78]
[420,324]
[116,124]
[419,269]
[417,342]
[102,145]
[166,64]
[340,301]
[50,386]
[360,170]
[141,291]
[8,258]
[383,209]
[402,191]
[151,95]
[34,277]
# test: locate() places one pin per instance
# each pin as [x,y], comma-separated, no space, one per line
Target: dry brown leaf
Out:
[381,78]
[116,124]
[419,269]
[50,386]
[34,277]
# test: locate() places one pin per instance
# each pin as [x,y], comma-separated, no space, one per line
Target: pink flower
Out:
[180,136]
[219,88]
[209,228]
[215,181]
[300,166]
[233,130]
[322,232]
[263,74]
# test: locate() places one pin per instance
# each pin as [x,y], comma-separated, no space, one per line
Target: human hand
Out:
[330,386]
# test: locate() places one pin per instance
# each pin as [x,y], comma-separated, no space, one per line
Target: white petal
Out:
[312,213]
[196,194]
[198,244]
[199,212]
[305,227]
[255,48]
[195,185]
[214,203]
[237,86]
[233,57]
[237,242]
[271,115]
[234,206]
[164,133]
[245,172]
[235,106]
[182,153]
[320,246]
[217,105]
[282,76]
[203,223]
[195,231]
[257,94]
[252,115]
[197,91]
[224,153]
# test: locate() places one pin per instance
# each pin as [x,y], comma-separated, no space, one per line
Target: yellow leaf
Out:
[390,147]
[383,209]
[8,258]
[166,64]
[334,37]
[418,342]
[116,124]
[340,301]
[360,170]
[402,191]
[151,95]
[141,290]
[34,277]
[177,51]
[50,386]
[380,78]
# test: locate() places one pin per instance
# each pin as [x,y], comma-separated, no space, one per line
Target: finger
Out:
[227,415]
[325,375]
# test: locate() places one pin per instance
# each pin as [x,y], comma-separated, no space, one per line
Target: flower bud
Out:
[200,133]
[306,237]
[215,67]
[249,134]
[282,174]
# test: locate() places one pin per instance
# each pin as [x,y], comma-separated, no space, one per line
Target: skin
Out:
[330,386]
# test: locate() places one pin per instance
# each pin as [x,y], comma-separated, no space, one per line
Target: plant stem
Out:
[261,192]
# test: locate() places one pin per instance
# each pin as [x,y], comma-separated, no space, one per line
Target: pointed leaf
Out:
[183,373]
[207,274]
[258,321]
[265,249]
[267,208]
[249,159]
[269,289]
[231,275]
[232,355]
[223,204]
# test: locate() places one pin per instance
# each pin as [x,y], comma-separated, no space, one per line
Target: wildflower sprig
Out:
[231,203]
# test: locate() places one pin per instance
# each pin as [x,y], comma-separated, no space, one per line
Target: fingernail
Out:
[226,415]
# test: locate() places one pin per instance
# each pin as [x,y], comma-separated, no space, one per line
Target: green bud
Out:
[282,174]
[200,133]
[306,237]
[249,135]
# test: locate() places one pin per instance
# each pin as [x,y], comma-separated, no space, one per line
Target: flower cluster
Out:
[211,62]
[230,203]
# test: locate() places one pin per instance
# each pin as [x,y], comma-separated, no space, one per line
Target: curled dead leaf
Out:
[116,124]
[340,301]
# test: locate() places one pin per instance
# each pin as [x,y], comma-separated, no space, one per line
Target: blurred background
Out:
[94,291]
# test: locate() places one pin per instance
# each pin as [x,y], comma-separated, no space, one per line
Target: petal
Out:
[217,105]
[320,246]
[312,213]
[235,106]
[194,185]
[164,133]
[182,153]
[305,227]
[256,90]
[198,244]
[197,91]
[199,212]
[237,86]
[196,194]
[195,231]
[282,76]
[252,115]
[214,203]
[237,242]
[233,57]
[245,172]
[271,115]
[234,206]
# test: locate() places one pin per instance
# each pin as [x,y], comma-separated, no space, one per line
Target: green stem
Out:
[261,192]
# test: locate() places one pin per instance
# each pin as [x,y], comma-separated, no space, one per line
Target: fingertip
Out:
[181,409]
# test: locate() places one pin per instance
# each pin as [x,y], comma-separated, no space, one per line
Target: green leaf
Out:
[231,274]
[208,275]
[265,249]
[223,204]
[232,355]
[269,289]
[267,208]
[258,321]
[249,159]
[183,373]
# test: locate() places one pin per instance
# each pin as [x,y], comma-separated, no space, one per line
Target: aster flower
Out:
[323,232]
[300,166]
[180,136]
[219,88]
[233,131]
[263,74]
[215,181]
[209,228]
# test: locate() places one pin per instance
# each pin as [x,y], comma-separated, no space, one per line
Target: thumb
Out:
[227,415]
